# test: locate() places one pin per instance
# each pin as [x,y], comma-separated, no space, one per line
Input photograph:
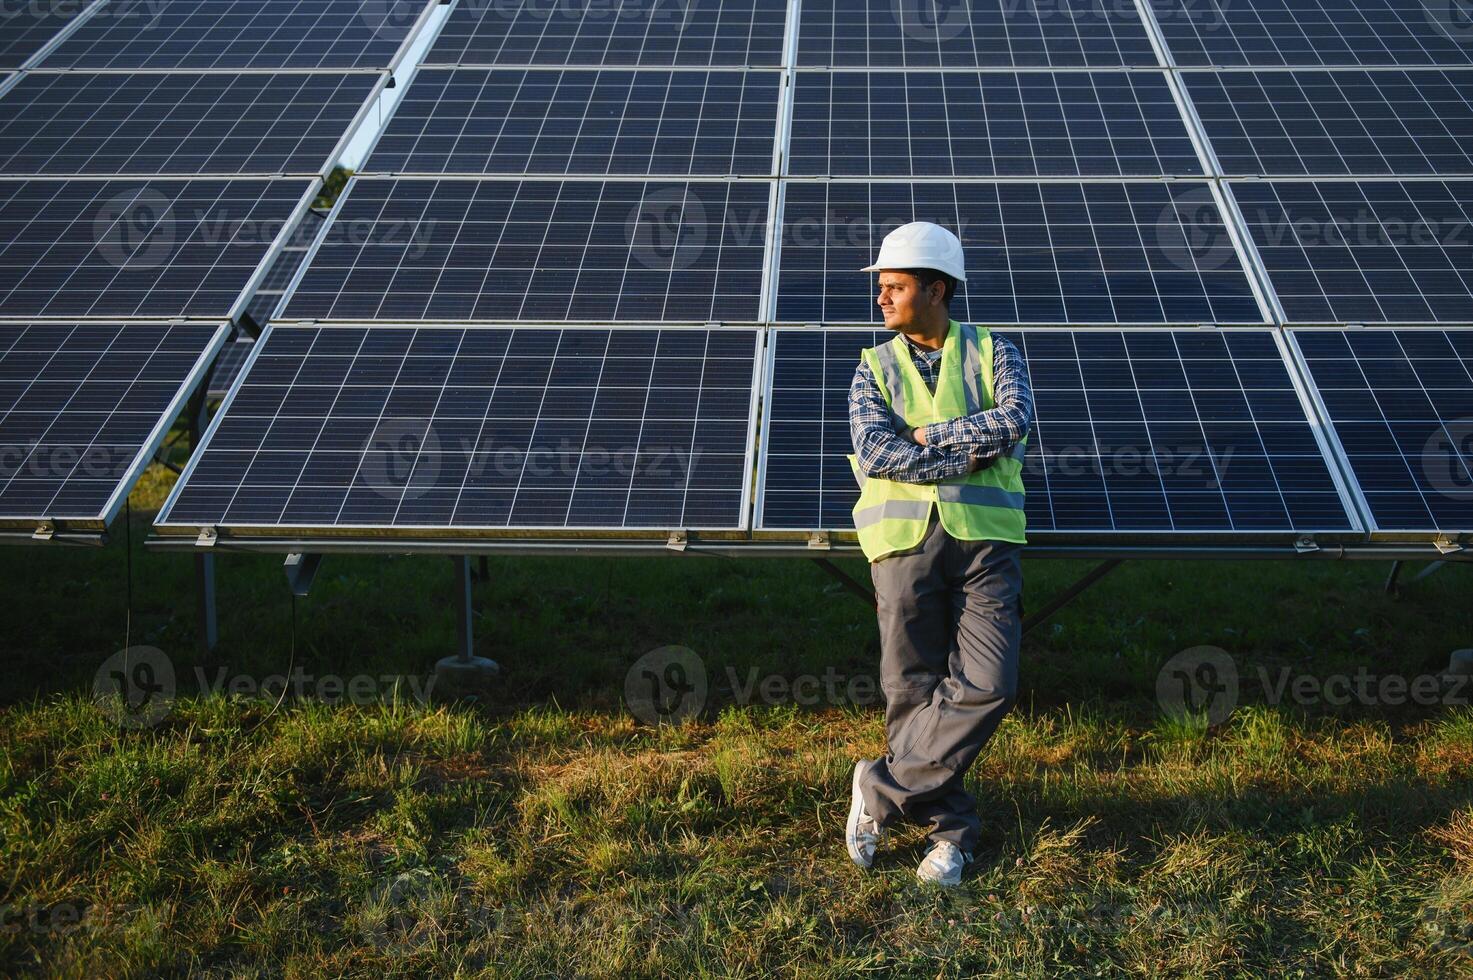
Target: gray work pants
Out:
[950,615]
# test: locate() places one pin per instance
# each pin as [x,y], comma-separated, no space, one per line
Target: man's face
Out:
[901,299]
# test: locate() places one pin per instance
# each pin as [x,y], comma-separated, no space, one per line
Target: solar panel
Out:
[1353,123]
[83,406]
[241,34]
[1136,432]
[1036,252]
[1364,251]
[144,124]
[418,249]
[30,26]
[597,122]
[1400,403]
[709,33]
[987,124]
[484,429]
[1314,32]
[998,33]
[227,366]
[136,248]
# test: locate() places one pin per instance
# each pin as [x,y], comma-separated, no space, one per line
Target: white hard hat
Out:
[921,245]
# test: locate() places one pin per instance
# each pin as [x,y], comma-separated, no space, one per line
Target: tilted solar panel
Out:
[241,34]
[480,430]
[1364,251]
[137,248]
[1331,123]
[83,406]
[706,33]
[1400,405]
[1129,252]
[153,123]
[227,366]
[1137,433]
[988,124]
[425,249]
[1314,32]
[590,122]
[984,33]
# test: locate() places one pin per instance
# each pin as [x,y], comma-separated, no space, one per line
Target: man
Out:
[939,418]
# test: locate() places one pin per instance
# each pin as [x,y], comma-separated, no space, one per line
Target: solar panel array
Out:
[178,123]
[154,160]
[83,406]
[1143,432]
[1118,174]
[396,428]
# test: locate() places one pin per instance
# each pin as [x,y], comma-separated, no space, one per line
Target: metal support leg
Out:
[465,674]
[204,582]
[1071,593]
[1392,576]
[849,582]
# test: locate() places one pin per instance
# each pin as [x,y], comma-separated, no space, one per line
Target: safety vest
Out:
[986,504]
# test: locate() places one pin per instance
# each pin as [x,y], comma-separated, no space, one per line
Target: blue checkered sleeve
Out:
[886,449]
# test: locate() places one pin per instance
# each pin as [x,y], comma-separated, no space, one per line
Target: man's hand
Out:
[916,435]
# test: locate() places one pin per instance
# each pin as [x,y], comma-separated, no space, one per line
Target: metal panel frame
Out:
[65,32]
[1374,531]
[370,101]
[150,445]
[1357,529]
[163,525]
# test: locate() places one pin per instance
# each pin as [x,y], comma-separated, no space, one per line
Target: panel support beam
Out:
[1070,594]
[851,584]
[464,674]
[204,594]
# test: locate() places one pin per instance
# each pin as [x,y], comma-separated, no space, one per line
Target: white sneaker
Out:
[943,864]
[862,833]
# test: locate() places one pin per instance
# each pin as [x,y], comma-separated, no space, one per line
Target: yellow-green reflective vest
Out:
[987,504]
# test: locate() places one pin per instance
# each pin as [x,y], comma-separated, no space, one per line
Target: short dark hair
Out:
[928,276]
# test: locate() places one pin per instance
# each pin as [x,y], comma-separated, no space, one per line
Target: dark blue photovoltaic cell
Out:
[1364,251]
[152,123]
[136,248]
[1128,252]
[1400,402]
[1353,123]
[240,34]
[707,33]
[1136,431]
[988,124]
[79,406]
[540,121]
[424,249]
[27,27]
[485,428]
[983,33]
[1315,32]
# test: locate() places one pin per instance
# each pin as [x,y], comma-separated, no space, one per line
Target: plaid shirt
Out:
[886,449]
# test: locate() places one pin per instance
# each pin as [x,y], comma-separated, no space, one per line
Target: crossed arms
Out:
[942,449]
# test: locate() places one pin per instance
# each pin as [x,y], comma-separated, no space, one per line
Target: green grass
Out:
[544,831]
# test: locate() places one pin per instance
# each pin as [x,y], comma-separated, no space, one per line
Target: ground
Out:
[547,830]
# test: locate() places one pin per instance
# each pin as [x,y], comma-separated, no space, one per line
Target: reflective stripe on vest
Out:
[917,510]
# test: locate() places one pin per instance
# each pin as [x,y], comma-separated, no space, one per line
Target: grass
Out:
[545,831]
